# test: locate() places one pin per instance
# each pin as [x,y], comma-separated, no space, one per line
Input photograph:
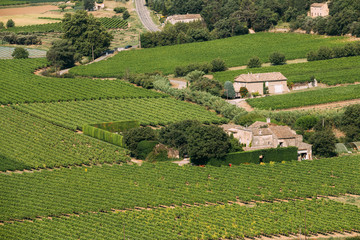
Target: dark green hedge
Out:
[269,155]
[117,126]
[144,148]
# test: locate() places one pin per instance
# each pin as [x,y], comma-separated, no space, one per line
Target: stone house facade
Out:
[275,82]
[319,10]
[262,135]
[184,18]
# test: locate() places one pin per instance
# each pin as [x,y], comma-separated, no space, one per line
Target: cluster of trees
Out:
[192,32]
[83,36]
[216,65]
[323,53]
[10,23]
[198,82]
[13,38]
[343,19]
[200,142]
[259,15]
[124,11]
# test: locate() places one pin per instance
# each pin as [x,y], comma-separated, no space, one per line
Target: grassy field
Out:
[331,72]
[81,190]
[236,51]
[17,77]
[27,142]
[149,111]
[306,98]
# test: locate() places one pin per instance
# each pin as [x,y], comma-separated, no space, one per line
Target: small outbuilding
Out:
[319,10]
[186,18]
[273,83]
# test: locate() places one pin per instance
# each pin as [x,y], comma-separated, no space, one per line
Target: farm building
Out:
[319,10]
[275,82]
[183,18]
[263,135]
[98,6]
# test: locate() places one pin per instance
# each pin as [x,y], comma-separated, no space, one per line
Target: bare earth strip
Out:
[27,10]
[325,105]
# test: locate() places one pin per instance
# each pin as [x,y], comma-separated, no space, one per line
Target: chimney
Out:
[268,120]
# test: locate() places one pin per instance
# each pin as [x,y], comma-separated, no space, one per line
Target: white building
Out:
[183,18]
[319,10]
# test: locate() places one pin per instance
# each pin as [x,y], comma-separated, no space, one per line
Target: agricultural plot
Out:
[112,23]
[5,53]
[211,222]
[306,98]
[236,51]
[18,84]
[330,72]
[18,2]
[148,111]
[81,190]
[27,142]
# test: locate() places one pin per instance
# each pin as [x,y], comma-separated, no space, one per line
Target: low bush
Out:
[277,58]
[144,148]
[254,62]
[218,65]
[120,9]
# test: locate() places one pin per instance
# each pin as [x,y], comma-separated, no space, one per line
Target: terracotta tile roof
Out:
[318,4]
[282,132]
[261,131]
[303,146]
[261,77]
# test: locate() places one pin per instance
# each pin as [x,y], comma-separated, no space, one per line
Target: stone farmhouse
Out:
[98,6]
[262,135]
[319,10]
[184,18]
[275,82]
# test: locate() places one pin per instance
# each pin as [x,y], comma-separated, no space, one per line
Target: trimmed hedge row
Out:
[106,131]
[269,155]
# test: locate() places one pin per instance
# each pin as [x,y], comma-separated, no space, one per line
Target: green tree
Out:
[351,122]
[323,143]
[62,54]
[306,122]
[86,33]
[126,15]
[62,7]
[207,142]
[207,85]
[20,52]
[218,65]
[277,58]
[10,23]
[2,25]
[229,91]
[89,4]
[134,136]
[254,62]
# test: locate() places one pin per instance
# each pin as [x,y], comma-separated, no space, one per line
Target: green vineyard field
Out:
[109,23]
[29,143]
[80,190]
[18,84]
[331,72]
[236,51]
[148,111]
[306,98]
[211,222]
[19,2]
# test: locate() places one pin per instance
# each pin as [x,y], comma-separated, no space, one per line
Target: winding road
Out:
[145,17]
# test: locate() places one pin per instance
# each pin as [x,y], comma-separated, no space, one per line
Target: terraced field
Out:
[18,84]
[330,72]
[236,51]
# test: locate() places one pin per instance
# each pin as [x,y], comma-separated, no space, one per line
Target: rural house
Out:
[183,18]
[262,135]
[274,82]
[319,10]
[98,6]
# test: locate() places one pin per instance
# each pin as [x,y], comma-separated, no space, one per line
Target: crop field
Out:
[5,53]
[17,78]
[330,72]
[149,111]
[94,189]
[109,23]
[18,2]
[210,222]
[306,98]
[27,142]
[236,51]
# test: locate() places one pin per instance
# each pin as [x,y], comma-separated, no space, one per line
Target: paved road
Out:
[144,15]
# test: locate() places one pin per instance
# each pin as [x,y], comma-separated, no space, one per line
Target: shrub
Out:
[254,62]
[133,136]
[120,9]
[10,23]
[194,76]
[229,91]
[2,25]
[218,65]
[126,15]
[144,148]
[20,52]
[243,92]
[306,122]
[277,58]
[247,119]
[180,71]
[324,53]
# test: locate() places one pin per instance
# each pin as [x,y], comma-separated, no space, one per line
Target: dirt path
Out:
[294,61]
[325,105]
